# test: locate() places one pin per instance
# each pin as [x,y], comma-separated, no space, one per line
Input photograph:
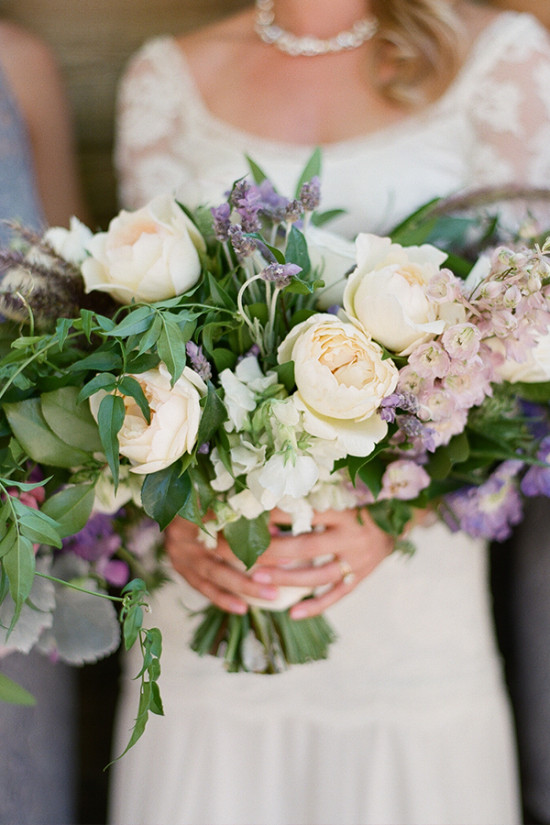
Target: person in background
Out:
[38,185]
[407,721]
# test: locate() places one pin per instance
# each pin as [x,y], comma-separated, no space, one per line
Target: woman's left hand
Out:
[354,550]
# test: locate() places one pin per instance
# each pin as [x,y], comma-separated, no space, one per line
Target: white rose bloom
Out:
[386,294]
[174,424]
[71,244]
[332,257]
[341,378]
[150,254]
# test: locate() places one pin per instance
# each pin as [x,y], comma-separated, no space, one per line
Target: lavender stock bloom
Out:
[222,221]
[280,274]
[536,481]
[487,511]
[199,362]
[247,201]
[97,543]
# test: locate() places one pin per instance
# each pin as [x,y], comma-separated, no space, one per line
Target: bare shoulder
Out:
[211,48]
[23,54]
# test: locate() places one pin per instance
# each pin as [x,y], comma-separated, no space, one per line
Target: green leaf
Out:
[171,348]
[537,393]
[110,418]
[36,525]
[258,173]
[70,508]
[136,322]
[129,386]
[151,335]
[392,516]
[223,359]
[285,374]
[371,474]
[213,415]
[164,493]
[19,566]
[104,381]
[70,420]
[311,170]
[100,361]
[321,218]
[13,693]
[37,439]
[296,251]
[248,538]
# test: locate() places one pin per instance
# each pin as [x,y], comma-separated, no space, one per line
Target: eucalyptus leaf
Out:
[37,439]
[70,420]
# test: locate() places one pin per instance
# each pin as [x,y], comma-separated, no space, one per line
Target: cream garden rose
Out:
[386,294]
[150,254]
[341,379]
[175,418]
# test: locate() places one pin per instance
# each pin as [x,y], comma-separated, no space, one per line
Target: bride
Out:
[407,721]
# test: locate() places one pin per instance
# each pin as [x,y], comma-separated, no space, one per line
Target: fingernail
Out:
[298,612]
[269,592]
[262,577]
[240,608]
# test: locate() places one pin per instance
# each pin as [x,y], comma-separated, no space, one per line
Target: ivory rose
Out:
[150,254]
[387,295]
[534,369]
[175,417]
[341,379]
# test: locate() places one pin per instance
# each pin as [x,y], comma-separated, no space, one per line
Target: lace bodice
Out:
[492,126]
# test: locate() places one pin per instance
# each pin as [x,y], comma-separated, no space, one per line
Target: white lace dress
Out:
[407,721]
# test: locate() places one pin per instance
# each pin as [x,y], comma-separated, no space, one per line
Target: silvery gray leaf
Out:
[34,618]
[85,627]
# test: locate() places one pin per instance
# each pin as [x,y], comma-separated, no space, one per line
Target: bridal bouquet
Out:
[220,363]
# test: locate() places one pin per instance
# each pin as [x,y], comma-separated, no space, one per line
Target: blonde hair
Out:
[422,39]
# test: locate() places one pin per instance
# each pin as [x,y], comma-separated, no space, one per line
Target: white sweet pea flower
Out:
[150,254]
[70,244]
[249,372]
[293,477]
[387,293]
[239,400]
[332,256]
[341,378]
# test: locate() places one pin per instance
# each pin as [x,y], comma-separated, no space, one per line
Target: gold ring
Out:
[348,576]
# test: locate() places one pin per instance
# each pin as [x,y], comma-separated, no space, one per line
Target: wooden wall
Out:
[92,40]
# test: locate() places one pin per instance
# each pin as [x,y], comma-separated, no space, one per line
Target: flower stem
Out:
[80,589]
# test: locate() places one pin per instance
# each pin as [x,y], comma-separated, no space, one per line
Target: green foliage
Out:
[13,693]
[248,538]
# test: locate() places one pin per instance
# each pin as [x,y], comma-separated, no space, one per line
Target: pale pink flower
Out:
[403,479]
[462,341]
[430,361]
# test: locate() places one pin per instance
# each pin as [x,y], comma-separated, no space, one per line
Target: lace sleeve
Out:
[148,125]
[510,111]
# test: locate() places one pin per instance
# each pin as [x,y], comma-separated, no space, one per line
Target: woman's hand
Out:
[351,549]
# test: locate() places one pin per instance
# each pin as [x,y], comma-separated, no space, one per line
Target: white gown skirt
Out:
[407,722]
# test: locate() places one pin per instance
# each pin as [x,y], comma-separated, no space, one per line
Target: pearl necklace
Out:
[309,45]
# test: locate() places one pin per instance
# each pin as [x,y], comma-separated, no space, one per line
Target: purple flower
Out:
[96,543]
[271,203]
[487,511]
[222,221]
[247,201]
[536,481]
[242,245]
[310,194]
[280,274]
[199,361]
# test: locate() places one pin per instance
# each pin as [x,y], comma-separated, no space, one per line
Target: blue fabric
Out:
[38,751]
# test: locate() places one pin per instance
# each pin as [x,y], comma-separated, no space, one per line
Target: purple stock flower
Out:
[222,221]
[280,274]
[487,511]
[310,194]
[536,481]
[199,361]
[97,543]
[247,201]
